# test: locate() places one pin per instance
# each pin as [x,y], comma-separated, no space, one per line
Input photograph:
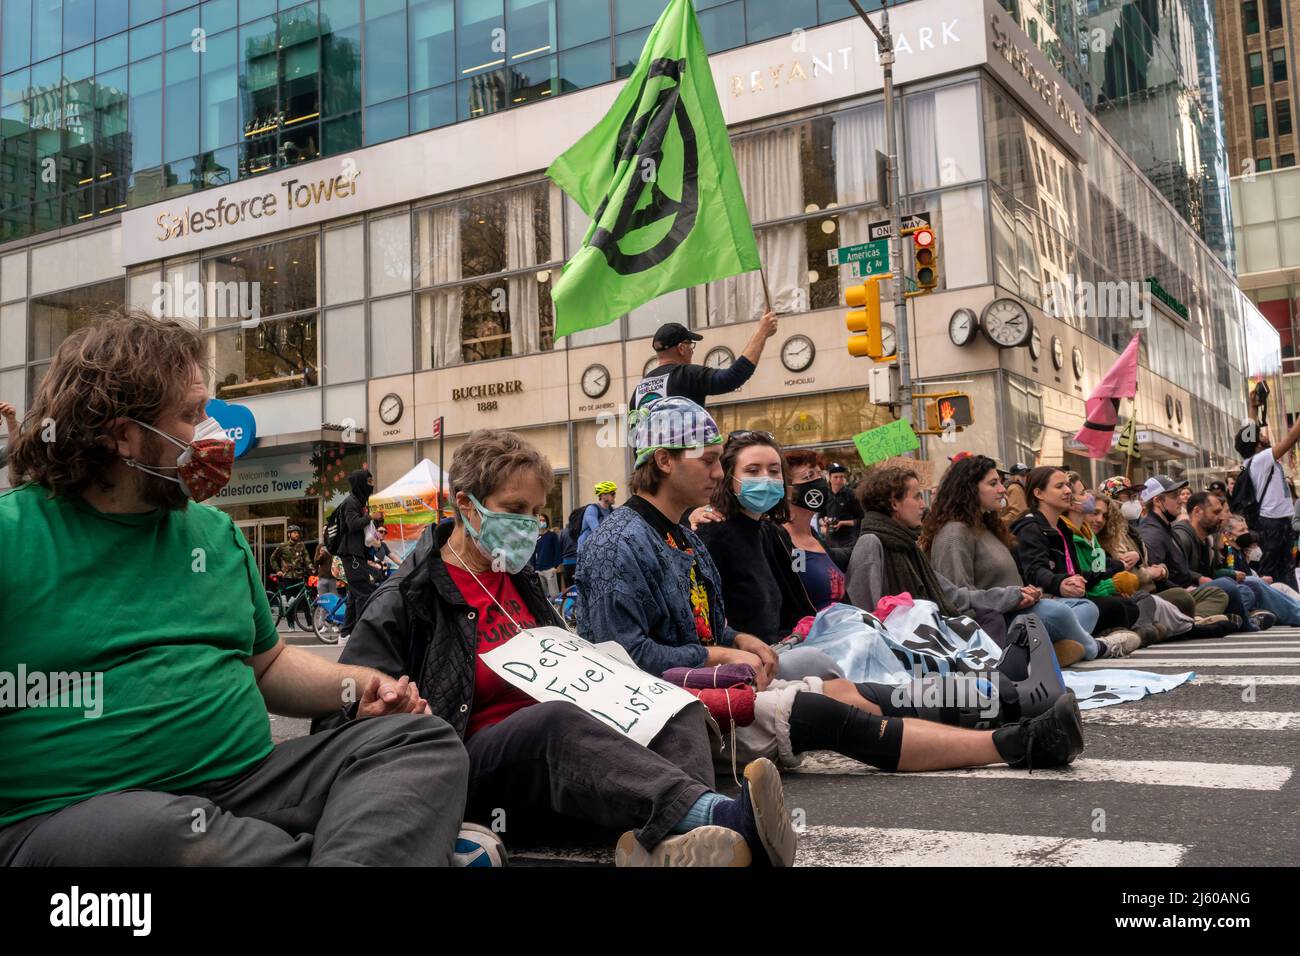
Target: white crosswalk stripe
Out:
[876,846]
[1185,663]
[1195,719]
[1163,773]
[1243,680]
[1182,647]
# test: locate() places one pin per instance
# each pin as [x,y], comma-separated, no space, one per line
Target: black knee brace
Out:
[975,701]
[820,723]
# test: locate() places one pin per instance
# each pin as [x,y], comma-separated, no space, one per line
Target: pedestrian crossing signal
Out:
[951,410]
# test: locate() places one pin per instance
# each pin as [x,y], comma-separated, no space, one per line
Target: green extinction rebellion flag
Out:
[659,182]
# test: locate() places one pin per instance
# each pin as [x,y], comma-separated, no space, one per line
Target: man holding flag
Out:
[659,182]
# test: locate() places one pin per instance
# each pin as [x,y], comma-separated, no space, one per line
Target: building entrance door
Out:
[264,535]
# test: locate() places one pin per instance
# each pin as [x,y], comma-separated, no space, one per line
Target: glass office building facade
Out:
[383,313]
[1146,69]
[111,104]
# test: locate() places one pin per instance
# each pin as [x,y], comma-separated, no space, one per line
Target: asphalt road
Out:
[1203,775]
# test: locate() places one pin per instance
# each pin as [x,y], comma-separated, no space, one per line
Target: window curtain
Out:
[922,171]
[521,251]
[771,173]
[858,134]
[440,311]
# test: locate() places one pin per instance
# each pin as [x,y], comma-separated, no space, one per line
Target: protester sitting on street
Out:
[1175,611]
[649,583]
[1047,561]
[1158,619]
[1280,599]
[1267,503]
[1124,494]
[887,560]
[1194,537]
[1122,581]
[177,652]
[821,566]
[1160,494]
[754,554]
[469,589]
[966,541]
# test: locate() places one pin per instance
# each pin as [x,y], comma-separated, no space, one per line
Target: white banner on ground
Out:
[550,663]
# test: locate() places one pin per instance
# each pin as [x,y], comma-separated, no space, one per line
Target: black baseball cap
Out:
[1019,468]
[1216,486]
[673,333]
[835,468]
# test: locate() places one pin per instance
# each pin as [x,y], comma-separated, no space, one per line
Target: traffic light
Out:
[864,320]
[926,258]
[951,406]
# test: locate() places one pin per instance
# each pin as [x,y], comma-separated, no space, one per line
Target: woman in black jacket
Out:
[467,590]
[1045,552]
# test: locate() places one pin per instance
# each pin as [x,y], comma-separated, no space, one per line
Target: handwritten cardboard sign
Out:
[550,663]
[887,441]
[923,467]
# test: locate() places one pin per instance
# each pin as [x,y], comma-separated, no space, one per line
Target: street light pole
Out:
[885,46]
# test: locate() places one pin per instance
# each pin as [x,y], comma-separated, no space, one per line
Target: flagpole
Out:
[767,296]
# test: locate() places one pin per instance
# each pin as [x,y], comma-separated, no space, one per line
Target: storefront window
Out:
[279,276]
[274,356]
[504,233]
[58,314]
[345,336]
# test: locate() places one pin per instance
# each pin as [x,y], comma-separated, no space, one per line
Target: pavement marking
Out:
[1165,773]
[1113,663]
[1196,719]
[902,846]
[1246,647]
[1242,680]
[881,846]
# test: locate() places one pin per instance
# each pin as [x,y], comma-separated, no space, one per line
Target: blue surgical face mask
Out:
[508,540]
[760,495]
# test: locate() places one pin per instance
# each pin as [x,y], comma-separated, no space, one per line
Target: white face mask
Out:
[1254,554]
[1132,510]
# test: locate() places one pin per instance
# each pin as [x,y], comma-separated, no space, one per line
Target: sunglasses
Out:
[746,433]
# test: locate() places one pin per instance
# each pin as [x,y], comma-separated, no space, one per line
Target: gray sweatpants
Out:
[387,791]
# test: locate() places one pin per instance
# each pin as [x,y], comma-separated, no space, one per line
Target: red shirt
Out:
[494,698]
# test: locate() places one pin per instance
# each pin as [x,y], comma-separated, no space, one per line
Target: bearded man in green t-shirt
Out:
[138,657]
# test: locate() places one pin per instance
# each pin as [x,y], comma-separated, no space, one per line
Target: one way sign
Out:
[882,230]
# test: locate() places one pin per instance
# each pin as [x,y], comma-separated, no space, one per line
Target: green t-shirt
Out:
[163,610]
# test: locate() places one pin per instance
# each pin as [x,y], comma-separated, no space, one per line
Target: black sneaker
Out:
[1052,739]
[1237,622]
[1263,620]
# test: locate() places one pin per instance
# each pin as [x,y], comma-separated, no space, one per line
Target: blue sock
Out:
[700,814]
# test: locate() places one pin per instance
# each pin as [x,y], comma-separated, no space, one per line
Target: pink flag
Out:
[1103,404]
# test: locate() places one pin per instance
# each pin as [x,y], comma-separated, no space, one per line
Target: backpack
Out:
[1245,500]
[574,525]
[333,533]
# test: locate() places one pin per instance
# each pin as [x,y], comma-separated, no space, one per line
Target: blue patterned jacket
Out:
[635,589]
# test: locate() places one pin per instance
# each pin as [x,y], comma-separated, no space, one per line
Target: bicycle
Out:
[566,604]
[329,611]
[292,601]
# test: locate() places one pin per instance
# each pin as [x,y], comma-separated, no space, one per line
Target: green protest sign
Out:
[896,438]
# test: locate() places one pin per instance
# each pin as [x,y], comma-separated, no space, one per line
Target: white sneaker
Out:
[1121,643]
